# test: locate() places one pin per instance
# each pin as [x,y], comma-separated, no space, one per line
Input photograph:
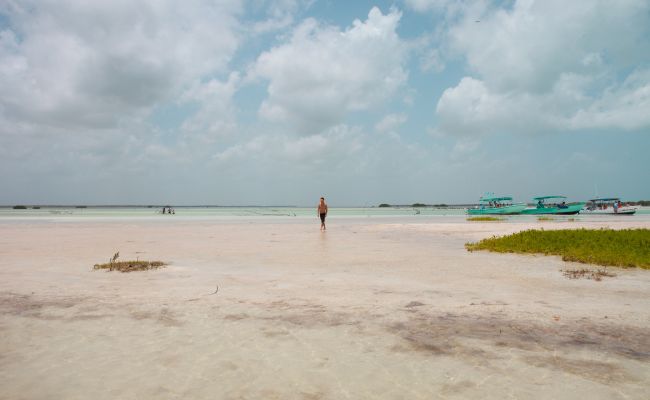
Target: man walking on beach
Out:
[322,213]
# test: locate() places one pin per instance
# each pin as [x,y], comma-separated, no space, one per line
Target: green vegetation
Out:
[383,205]
[545,218]
[441,205]
[129,266]
[485,218]
[36,207]
[620,248]
[81,207]
[20,207]
[418,205]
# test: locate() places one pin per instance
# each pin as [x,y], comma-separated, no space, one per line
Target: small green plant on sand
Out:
[129,266]
[485,219]
[607,247]
[545,218]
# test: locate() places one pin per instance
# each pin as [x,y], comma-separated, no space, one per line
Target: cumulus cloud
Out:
[279,14]
[391,122]
[551,65]
[434,5]
[323,73]
[427,5]
[451,9]
[91,64]
[471,108]
[624,106]
[216,112]
[330,146]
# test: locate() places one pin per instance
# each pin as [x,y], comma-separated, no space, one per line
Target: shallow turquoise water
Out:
[226,212]
[64,213]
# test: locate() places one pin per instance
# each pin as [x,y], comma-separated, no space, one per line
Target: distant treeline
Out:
[383,205]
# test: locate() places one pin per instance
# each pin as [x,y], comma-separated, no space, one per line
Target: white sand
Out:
[376,310]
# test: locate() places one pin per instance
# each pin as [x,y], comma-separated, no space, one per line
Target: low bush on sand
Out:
[545,218]
[607,247]
[129,266]
[485,219]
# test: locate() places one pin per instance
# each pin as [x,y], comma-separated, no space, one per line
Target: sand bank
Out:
[386,309]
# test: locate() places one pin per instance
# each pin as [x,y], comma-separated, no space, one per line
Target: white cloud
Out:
[529,46]
[280,14]
[432,60]
[427,5]
[451,9]
[470,108]
[391,122]
[331,146]
[551,65]
[93,64]
[216,114]
[323,73]
[625,106]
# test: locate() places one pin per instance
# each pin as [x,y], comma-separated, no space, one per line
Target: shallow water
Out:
[265,213]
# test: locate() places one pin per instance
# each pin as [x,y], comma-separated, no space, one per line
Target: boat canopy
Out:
[606,199]
[504,198]
[548,197]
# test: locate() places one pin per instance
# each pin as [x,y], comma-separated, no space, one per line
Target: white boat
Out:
[607,206]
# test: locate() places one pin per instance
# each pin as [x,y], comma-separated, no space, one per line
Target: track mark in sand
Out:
[448,335]
[236,317]
[413,304]
[164,316]
[48,307]
[454,388]
[606,373]
[312,396]
[168,318]
[33,306]
[478,339]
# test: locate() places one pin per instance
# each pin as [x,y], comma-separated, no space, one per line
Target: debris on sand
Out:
[596,275]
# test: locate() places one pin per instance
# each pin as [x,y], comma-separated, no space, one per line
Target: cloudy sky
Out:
[280,102]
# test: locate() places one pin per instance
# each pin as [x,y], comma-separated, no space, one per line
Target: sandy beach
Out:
[382,308]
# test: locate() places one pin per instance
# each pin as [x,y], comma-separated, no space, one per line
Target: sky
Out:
[364,102]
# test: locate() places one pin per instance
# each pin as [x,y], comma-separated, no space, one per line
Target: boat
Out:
[497,206]
[607,206]
[555,205]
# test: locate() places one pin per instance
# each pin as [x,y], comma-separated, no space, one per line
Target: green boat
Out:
[554,205]
[497,206]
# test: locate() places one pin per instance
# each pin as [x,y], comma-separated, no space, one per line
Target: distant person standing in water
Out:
[322,213]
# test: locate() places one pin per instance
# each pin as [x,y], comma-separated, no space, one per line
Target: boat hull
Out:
[610,211]
[570,209]
[506,210]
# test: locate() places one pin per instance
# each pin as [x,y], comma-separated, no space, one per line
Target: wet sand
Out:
[376,309]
